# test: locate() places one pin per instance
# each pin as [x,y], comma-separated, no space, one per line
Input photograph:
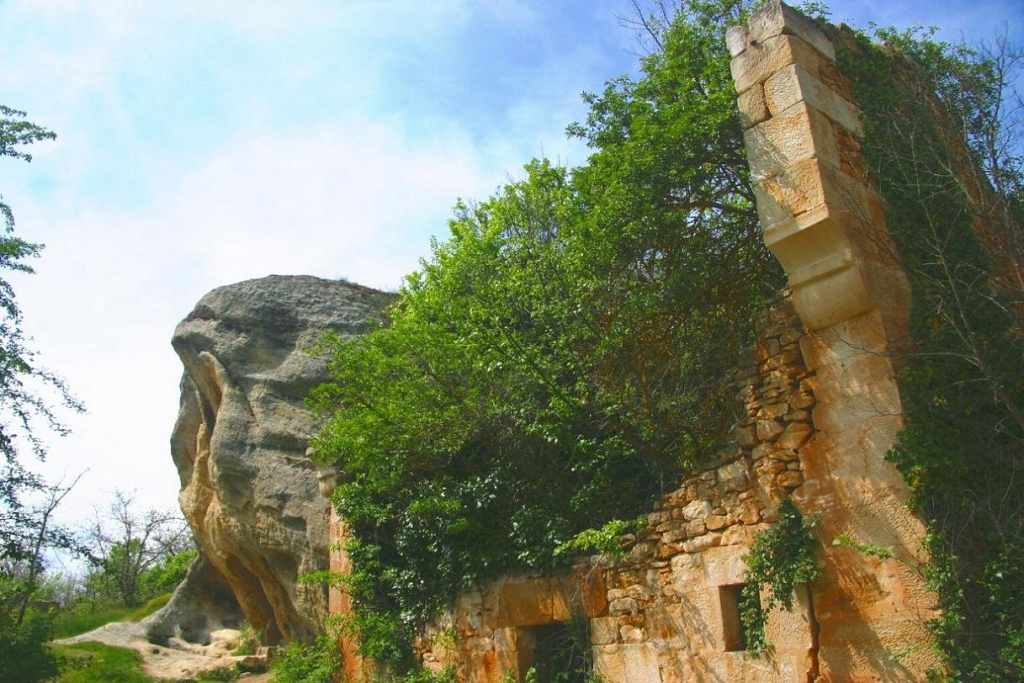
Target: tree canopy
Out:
[564,355]
[22,382]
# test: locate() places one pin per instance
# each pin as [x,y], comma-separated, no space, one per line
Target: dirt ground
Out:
[180,661]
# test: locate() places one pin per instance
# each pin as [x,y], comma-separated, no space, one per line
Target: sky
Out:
[205,142]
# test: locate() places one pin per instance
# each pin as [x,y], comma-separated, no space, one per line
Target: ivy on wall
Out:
[780,560]
[938,142]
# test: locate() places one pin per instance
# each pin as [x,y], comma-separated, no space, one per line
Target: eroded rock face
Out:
[248,490]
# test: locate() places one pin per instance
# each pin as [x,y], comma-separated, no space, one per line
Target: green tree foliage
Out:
[137,555]
[958,233]
[20,378]
[318,662]
[24,653]
[26,527]
[564,356]
[165,576]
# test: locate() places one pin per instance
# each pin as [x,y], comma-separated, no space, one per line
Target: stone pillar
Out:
[826,225]
[820,216]
[339,604]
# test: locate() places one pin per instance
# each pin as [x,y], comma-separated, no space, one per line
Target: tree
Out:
[25,530]
[20,378]
[564,356]
[127,544]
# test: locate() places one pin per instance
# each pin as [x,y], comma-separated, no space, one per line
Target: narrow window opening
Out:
[559,654]
[734,633]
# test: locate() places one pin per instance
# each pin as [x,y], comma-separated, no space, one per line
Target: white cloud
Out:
[359,199]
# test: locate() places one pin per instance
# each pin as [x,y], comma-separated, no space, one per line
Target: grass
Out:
[140,613]
[98,663]
[74,622]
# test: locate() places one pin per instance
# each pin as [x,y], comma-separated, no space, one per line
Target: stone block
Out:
[837,295]
[775,18]
[738,534]
[505,639]
[736,40]
[790,479]
[738,484]
[798,416]
[749,512]
[604,631]
[717,522]
[623,606]
[698,509]
[632,634]
[634,662]
[746,436]
[724,566]
[701,543]
[732,470]
[769,430]
[786,456]
[795,436]
[793,84]
[773,411]
[753,107]
[696,528]
[800,132]
[685,562]
[761,451]
[789,193]
[760,60]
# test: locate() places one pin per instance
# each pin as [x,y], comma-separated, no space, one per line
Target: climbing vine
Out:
[938,142]
[781,559]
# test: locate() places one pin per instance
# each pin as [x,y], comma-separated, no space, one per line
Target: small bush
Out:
[227,674]
[445,675]
[248,641]
[315,663]
[24,655]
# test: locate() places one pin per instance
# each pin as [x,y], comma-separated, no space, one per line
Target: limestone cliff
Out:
[247,488]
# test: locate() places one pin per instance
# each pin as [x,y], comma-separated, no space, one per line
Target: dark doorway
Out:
[562,653]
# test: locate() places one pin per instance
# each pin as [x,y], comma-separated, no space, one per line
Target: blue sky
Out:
[202,143]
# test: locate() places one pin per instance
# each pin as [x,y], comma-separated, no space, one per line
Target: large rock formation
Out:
[247,488]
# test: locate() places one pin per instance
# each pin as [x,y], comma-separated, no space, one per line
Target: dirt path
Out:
[180,660]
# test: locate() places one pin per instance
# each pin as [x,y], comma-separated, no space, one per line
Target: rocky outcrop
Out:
[248,490]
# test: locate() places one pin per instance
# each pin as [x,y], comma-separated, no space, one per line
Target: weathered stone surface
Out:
[202,604]
[248,490]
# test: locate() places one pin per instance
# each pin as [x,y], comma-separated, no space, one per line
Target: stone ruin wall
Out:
[822,410]
[657,615]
